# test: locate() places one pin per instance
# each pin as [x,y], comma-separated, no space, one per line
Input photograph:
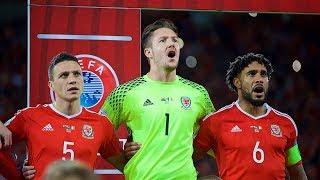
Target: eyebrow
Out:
[169,36]
[75,71]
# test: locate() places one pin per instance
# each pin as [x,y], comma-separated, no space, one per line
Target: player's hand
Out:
[28,172]
[5,136]
[130,149]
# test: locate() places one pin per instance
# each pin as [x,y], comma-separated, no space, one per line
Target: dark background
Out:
[214,39]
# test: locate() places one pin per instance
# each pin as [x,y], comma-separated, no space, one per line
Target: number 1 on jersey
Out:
[167,124]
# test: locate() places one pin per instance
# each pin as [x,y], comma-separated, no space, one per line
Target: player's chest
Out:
[243,134]
[50,133]
[148,102]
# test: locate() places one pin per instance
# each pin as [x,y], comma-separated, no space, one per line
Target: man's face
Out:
[67,82]
[164,49]
[254,83]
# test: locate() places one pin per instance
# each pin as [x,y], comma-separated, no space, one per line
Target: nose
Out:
[259,78]
[172,42]
[72,80]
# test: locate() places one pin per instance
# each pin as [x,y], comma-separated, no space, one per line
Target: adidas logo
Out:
[48,127]
[236,129]
[147,103]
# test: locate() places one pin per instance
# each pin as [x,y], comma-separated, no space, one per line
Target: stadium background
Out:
[213,38]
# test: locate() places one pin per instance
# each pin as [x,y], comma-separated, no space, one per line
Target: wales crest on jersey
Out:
[275,130]
[87,131]
[186,102]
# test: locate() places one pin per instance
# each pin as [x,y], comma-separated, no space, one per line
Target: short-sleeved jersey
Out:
[248,147]
[51,135]
[162,117]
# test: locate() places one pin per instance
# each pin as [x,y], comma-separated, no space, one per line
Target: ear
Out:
[51,86]
[237,82]
[148,52]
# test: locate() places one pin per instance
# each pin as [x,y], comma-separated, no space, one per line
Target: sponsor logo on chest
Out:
[68,128]
[256,128]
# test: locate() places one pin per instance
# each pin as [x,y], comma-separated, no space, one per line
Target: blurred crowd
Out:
[13,58]
[214,39]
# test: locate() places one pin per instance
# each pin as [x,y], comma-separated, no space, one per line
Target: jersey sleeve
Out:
[110,146]
[206,103]
[292,151]
[17,126]
[293,133]
[206,106]
[112,107]
[205,138]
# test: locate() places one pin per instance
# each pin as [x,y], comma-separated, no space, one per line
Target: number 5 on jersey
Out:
[67,150]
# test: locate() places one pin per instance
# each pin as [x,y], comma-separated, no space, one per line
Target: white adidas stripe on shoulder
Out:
[19,111]
[220,110]
[91,111]
[98,113]
[288,117]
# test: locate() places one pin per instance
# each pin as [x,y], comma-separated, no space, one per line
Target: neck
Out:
[251,109]
[163,76]
[66,107]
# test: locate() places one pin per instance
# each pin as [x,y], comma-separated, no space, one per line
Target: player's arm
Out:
[8,166]
[130,147]
[13,131]
[294,164]
[293,157]
[28,172]
[110,148]
[5,136]
[203,141]
[296,172]
[118,161]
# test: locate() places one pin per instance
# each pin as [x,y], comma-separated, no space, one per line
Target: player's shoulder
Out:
[192,85]
[97,116]
[220,114]
[285,118]
[33,109]
[128,86]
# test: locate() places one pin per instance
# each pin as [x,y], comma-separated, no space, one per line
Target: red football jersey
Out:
[248,147]
[8,167]
[52,135]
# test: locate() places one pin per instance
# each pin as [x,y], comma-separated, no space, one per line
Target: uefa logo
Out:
[99,80]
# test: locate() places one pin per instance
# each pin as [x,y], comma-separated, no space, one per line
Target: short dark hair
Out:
[241,62]
[60,170]
[58,59]
[161,23]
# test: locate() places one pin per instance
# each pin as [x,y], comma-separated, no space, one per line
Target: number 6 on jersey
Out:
[257,150]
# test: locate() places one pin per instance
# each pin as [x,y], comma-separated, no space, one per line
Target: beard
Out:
[255,102]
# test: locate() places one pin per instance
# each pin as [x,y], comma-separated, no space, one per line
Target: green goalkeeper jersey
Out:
[163,117]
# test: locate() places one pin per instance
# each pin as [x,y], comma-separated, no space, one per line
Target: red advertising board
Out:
[293,6]
[106,42]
